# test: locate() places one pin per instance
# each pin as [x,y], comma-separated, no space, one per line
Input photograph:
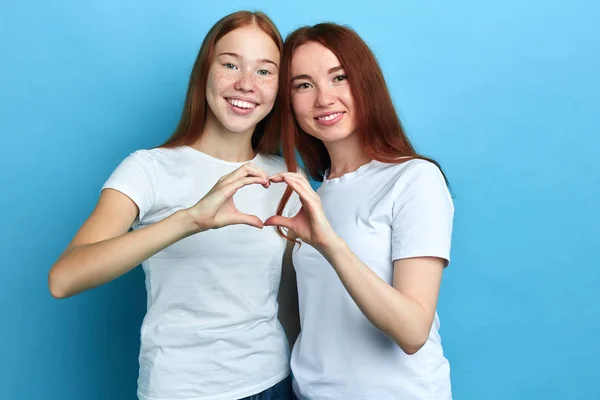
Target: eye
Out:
[303,85]
[264,72]
[229,66]
[340,78]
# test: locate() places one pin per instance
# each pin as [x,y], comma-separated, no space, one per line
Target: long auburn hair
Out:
[379,128]
[193,116]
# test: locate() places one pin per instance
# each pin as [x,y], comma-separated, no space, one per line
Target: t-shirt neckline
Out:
[201,155]
[350,176]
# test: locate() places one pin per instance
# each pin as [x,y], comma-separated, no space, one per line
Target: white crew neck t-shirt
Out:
[384,212]
[211,330]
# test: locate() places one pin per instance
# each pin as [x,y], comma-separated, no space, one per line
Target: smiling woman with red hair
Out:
[211,329]
[374,238]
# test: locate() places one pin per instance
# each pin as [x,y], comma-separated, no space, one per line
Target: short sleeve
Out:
[135,177]
[423,214]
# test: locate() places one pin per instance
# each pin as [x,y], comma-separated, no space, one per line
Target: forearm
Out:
[401,318]
[86,266]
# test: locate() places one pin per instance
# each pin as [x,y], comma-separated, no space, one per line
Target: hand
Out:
[310,224]
[216,209]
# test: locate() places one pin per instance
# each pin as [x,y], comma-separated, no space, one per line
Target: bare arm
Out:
[404,311]
[288,297]
[103,249]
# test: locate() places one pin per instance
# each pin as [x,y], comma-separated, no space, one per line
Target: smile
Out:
[329,117]
[241,103]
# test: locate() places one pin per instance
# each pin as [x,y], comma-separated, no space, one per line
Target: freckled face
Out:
[243,79]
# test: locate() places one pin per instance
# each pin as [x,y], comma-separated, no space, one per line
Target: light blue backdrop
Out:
[504,95]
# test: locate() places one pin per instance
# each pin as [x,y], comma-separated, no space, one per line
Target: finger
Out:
[282,174]
[276,178]
[245,170]
[253,170]
[301,180]
[278,220]
[302,188]
[246,219]
[230,189]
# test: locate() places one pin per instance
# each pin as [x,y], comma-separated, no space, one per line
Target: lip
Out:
[330,122]
[238,110]
[249,100]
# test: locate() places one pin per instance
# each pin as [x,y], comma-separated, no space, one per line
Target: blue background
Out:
[503,94]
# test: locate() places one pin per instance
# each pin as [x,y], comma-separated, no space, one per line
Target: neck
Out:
[219,142]
[346,156]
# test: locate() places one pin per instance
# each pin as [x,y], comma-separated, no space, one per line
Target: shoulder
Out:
[413,172]
[412,169]
[413,178]
[135,162]
[154,162]
[161,158]
[158,154]
[420,182]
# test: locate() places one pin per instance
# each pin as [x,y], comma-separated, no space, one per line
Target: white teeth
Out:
[329,117]
[241,103]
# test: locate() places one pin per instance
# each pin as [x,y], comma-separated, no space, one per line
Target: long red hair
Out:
[378,126]
[193,116]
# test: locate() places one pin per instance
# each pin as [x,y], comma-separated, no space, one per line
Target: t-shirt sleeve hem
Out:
[402,254]
[127,191]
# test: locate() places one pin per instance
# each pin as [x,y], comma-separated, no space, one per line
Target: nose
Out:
[325,97]
[245,82]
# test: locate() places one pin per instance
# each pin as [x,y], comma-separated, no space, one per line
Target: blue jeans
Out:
[280,391]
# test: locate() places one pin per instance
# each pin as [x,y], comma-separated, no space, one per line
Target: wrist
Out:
[187,223]
[333,246]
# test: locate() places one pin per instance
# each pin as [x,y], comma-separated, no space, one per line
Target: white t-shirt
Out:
[384,212]
[211,330]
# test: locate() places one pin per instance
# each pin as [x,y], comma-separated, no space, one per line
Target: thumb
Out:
[278,220]
[252,220]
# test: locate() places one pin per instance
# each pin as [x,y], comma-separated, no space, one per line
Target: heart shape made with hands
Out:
[296,182]
[276,179]
[310,218]
[310,223]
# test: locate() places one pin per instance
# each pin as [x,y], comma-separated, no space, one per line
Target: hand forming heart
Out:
[310,223]
[217,209]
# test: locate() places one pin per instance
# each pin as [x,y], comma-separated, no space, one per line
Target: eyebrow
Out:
[305,76]
[262,60]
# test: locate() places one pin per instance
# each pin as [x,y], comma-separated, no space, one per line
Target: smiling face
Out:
[242,80]
[321,97]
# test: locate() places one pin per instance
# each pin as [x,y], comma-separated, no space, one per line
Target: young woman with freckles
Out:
[375,237]
[196,206]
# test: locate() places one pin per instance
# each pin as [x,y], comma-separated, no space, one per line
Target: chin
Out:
[333,137]
[240,128]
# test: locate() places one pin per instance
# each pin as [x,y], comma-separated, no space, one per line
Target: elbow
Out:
[56,286]
[57,294]
[412,349]
[412,345]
